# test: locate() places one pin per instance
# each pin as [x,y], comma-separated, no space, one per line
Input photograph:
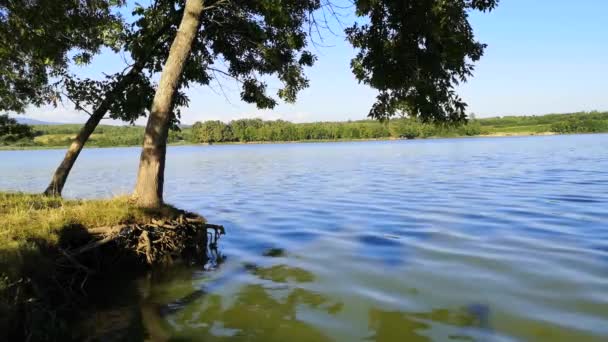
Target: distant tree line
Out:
[248,130]
[251,130]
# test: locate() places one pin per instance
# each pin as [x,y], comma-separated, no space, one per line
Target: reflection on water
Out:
[395,326]
[262,312]
[446,240]
[275,310]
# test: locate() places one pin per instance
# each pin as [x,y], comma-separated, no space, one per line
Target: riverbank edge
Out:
[312,141]
[53,249]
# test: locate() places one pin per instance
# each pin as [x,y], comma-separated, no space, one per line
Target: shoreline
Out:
[490,135]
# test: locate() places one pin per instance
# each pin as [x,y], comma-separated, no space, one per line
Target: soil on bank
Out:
[52,250]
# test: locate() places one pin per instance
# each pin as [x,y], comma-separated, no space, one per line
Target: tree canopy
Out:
[414,52]
[240,39]
[37,37]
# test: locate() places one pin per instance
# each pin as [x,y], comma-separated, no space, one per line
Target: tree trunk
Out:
[150,177]
[61,174]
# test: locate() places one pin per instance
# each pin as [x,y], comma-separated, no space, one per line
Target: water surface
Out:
[432,240]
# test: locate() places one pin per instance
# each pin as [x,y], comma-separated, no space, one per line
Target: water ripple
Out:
[464,239]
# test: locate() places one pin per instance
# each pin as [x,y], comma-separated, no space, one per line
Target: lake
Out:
[482,239]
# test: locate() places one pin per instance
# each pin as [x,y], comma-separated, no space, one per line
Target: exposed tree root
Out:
[159,241]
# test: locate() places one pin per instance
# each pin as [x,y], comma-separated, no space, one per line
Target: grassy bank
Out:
[256,130]
[42,279]
[30,220]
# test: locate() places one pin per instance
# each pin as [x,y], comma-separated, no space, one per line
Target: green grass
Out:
[32,226]
[523,129]
[25,218]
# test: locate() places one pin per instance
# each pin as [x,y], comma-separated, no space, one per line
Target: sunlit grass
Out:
[35,233]
[29,221]
[524,129]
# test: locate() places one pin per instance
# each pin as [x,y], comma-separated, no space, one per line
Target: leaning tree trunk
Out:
[150,177]
[61,174]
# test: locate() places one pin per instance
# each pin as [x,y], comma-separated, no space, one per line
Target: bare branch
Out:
[78,106]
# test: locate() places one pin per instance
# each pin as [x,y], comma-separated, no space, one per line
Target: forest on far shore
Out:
[17,135]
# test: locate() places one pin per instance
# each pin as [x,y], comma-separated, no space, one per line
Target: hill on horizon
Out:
[29,121]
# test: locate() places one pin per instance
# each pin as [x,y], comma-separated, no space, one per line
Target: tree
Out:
[211,131]
[35,38]
[413,51]
[253,38]
[115,95]
[35,67]
[126,95]
[129,86]
[150,178]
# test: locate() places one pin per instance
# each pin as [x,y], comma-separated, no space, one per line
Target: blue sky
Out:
[543,56]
